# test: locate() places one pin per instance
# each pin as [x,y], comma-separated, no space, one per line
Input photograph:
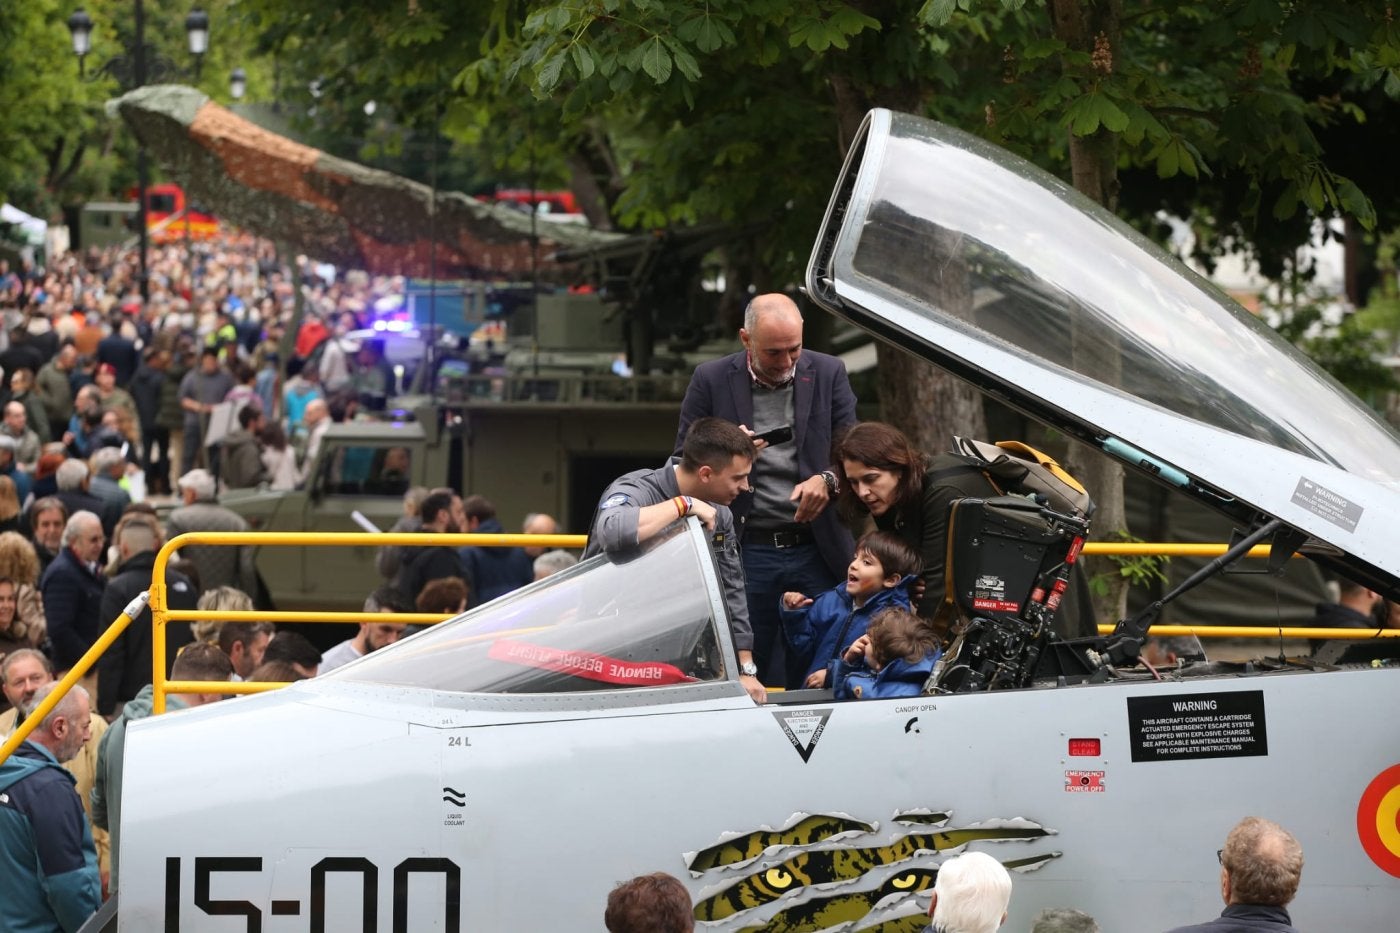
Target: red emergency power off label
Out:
[1084,782]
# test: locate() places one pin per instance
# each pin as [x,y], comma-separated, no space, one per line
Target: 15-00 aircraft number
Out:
[205,867]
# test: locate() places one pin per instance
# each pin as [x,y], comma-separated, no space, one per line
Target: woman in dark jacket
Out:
[909,494]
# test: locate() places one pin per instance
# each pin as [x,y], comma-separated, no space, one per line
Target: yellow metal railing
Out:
[161,615]
[80,669]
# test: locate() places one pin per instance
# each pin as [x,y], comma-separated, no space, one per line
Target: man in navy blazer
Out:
[791,539]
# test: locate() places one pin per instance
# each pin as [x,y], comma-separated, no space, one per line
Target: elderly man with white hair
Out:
[971,895]
[218,565]
[108,469]
[51,879]
[72,479]
[72,589]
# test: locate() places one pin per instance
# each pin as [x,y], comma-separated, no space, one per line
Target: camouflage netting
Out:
[333,210]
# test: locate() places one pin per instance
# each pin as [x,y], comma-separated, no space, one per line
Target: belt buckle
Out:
[779,537]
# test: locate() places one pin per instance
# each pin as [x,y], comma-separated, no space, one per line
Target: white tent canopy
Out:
[32,228]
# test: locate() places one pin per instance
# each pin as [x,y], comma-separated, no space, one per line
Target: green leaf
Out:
[1287,204]
[1142,125]
[851,22]
[558,19]
[689,68]
[1354,201]
[689,30]
[710,36]
[622,81]
[548,74]
[1168,159]
[656,61]
[1037,49]
[937,12]
[1093,110]
[535,23]
[583,61]
[1112,116]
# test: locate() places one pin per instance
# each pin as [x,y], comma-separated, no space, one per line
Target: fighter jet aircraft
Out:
[504,770]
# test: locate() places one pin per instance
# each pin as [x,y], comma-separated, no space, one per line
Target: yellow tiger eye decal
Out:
[778,878]
[905,881]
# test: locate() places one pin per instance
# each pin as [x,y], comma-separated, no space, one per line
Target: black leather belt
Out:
[779,539]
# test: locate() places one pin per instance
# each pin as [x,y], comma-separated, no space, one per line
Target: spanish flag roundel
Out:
[1378,820]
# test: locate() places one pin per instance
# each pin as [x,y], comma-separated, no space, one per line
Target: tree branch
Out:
[1209,116]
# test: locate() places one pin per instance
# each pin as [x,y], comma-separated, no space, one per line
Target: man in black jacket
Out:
[430,563]
[1355,608]
[126,666]
[119,351]
[146,388]
[1260,868]
[72,589]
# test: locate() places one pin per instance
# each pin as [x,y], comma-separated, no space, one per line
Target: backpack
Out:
[1019,469]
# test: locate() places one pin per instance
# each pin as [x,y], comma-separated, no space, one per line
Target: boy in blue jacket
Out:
[819,630]
[894,658]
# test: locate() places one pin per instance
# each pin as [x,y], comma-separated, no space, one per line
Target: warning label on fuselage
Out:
[1327,504]
[1198,725]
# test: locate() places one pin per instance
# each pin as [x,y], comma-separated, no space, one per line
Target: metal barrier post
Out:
[158,647]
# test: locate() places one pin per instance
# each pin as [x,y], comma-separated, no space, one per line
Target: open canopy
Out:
[986,265]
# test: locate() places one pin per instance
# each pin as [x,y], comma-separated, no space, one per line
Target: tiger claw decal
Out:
[847,864]
[918,922]
[823,913]
[1030,863]
[807,830]
[911,923]
[923,817]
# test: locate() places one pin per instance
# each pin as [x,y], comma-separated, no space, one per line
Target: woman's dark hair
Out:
[884,447]
[273,436]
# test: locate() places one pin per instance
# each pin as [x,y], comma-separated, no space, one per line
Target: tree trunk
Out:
[1094,26]
[928,404]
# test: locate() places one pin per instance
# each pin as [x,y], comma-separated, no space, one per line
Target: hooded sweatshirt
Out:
[107,789]
[898,678]
[49,880]
[818,634]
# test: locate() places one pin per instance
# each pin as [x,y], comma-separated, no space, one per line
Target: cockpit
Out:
[654,620]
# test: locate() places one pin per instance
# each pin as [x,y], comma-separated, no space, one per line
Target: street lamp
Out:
[197,29]
[80,25]
[130,72]
[238,83]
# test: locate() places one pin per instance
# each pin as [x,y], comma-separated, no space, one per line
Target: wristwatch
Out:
[748,669]
[833,487]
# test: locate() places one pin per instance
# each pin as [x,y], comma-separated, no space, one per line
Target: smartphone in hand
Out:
[778,435]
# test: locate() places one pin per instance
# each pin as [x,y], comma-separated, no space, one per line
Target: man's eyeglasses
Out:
[1220,856]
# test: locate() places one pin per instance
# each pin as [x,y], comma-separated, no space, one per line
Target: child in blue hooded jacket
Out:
[819,630]
[894,658]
